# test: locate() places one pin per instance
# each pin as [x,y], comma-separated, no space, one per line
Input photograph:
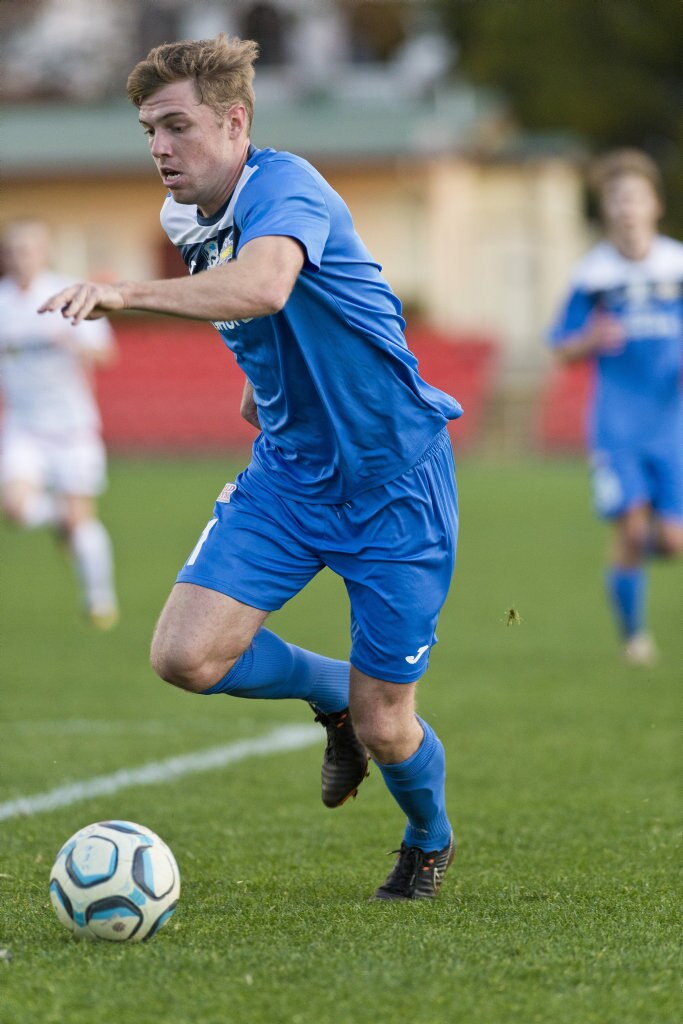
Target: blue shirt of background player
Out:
[637,400]
[340,401]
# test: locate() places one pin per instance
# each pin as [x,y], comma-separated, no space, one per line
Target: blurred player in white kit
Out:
[52,458]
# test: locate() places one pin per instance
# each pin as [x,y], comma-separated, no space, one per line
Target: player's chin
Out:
[183,194]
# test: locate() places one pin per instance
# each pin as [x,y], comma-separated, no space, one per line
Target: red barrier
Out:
[176,387]
[465,367]
[563,405]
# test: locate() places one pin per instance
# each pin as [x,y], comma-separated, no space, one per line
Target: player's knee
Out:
[636,541]
[14,508]
[13,513]
[184,662]
[379,733]
[72,520]
[182,666]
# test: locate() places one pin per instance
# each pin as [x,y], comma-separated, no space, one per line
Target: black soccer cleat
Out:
[345,761]
[416,875]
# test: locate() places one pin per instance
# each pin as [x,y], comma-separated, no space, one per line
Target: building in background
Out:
[474,225]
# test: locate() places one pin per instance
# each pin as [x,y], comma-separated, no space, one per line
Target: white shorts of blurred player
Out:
[71,465]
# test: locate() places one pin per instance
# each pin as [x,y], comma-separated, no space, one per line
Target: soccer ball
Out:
[114,880]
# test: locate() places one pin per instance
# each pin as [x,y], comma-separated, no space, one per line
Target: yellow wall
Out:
[484,247]
[500,242]
[388,207]
[109,228]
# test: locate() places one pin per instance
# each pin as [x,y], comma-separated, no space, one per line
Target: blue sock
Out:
[417,786]
[274,670]
[627,589]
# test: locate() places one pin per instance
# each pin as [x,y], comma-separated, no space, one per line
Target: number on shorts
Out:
[200,543]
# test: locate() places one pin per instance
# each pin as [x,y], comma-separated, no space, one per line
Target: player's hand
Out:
[85,301]
[606,335]
[248,409]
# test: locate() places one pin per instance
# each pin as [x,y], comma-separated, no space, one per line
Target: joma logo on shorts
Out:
[412,659]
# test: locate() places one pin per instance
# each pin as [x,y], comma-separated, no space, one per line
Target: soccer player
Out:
[625,312]
[352,467]
[52,459]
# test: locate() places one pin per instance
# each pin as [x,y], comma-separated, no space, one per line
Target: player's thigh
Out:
[22,462]
[78,465]
[201,631]
[399,573]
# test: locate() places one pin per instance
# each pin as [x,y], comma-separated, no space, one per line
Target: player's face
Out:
[630,205]
[25,252]
[196,154]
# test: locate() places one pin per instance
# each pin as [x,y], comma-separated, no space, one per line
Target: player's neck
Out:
[23,282]
[632,245]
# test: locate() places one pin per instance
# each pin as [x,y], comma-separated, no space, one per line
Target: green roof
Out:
[49,138]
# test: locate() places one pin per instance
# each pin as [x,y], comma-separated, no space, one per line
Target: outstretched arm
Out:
[257,284]
[602,335]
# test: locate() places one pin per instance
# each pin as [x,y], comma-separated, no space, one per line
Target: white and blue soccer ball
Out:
[114,880]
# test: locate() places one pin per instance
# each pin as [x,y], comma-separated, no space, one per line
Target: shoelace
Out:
[332,728]
[408,864]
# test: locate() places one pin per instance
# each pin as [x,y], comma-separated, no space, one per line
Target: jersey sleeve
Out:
[572,317]
[284,199]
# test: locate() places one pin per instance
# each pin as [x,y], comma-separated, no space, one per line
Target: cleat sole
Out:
[352,793]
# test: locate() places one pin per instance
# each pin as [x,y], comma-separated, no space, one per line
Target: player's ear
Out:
[236,119]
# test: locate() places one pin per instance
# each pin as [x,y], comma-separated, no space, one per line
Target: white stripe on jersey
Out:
[604,268]
[180,222]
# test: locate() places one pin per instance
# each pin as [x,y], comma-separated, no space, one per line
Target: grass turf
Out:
[561,904]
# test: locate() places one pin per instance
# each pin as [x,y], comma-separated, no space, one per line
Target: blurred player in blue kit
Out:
[52,459]
[625,311]
[352,467]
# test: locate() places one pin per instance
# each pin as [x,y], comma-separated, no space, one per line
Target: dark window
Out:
[264,23]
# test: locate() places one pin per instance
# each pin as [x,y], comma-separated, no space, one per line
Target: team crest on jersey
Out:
[226,493]
[638,293]
[215,254]
[667,291]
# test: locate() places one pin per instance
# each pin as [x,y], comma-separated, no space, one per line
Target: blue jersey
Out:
[341,404]
[637,400]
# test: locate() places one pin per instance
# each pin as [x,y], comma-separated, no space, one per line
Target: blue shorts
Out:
[624,478]
[394,547]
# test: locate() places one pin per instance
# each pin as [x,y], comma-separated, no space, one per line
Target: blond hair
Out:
[221,68]
[620,163]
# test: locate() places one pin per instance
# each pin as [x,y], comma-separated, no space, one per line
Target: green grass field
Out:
[561,905]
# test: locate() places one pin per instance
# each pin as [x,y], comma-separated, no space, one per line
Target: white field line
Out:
[33,727]
[289,737]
